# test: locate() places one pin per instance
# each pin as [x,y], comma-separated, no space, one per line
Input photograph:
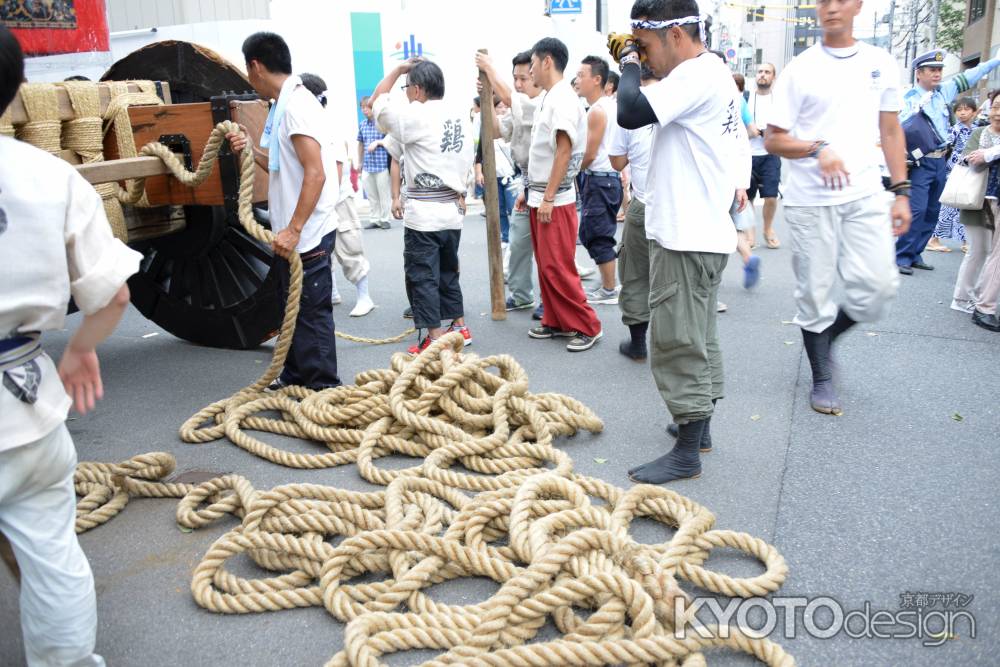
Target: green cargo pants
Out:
[685,357]
[633,266]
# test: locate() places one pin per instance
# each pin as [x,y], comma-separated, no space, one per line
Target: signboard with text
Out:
[565,6]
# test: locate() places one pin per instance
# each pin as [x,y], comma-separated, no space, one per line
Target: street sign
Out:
[566,6]
[730,54]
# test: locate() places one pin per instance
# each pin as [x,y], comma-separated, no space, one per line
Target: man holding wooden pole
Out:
[515,127]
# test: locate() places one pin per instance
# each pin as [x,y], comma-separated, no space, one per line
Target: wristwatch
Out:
[816,148]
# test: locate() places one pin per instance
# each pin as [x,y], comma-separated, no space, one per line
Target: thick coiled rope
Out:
[558,544]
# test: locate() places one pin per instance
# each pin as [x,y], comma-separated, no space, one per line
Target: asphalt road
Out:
[899,495]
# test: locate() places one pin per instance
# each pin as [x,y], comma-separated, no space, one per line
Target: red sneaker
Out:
[420,346]
[466,334]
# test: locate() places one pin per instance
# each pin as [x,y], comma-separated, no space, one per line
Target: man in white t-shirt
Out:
[765,175]
[515,127]
[699,163]
[630,149]
[55,241]
[301,196]
[437,148]
[837,212]
[601,185]
[558,135]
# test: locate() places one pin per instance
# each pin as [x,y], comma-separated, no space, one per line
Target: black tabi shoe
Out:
[681,462]
[990,322]
[906,270]
[823,397]
[923,266]
[633,351]
[635,347]
[706,436]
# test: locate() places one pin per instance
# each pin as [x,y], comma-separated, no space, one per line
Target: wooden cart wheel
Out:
[211,283]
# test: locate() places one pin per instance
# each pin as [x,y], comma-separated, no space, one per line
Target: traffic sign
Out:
[731,53]
[566,6]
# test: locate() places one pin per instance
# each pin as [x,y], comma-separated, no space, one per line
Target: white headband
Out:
[672,23]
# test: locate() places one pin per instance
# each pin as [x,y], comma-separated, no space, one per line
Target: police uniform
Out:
[929,172]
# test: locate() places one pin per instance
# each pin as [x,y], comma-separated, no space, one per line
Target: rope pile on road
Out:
[558,544]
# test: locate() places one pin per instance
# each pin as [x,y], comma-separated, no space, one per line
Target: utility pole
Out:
[892,36]
[911,49]
[987,52]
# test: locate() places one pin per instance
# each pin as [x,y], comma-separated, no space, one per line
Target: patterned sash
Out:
[21,373]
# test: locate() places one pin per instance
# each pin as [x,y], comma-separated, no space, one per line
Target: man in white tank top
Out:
[601,186]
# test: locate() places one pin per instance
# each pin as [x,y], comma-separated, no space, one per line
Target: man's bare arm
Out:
[313,179]
[597,121]
[500,87]
[564,149]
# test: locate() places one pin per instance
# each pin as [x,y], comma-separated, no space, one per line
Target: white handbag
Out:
[966,187]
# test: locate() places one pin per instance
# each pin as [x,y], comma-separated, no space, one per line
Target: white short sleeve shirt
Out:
[760,111]
[303,116]
[845,115]
[516,126]
[436,142]
[699,157]
[636,146]
[53,244]
[559,110]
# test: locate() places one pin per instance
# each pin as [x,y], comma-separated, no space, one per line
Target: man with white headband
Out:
[696,166]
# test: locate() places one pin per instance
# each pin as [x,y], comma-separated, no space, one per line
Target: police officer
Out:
[928,173]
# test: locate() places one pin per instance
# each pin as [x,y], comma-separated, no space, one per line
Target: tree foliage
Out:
[951,22]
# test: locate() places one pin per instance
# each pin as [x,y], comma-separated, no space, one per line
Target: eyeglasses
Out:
[404,87]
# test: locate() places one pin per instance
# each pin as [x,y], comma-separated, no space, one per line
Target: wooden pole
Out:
[491,198]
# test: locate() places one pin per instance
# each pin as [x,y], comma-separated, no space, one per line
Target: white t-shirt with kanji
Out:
[558,111]
[436,142]
[700,156]
[636,146]
[836,95]
[55,242]
[304,115]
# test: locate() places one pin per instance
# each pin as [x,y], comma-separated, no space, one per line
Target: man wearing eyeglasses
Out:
[766,171]
[437,150]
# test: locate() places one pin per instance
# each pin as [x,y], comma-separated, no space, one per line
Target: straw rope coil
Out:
[84,135]
[43,127]
[6,125]
[558,545]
